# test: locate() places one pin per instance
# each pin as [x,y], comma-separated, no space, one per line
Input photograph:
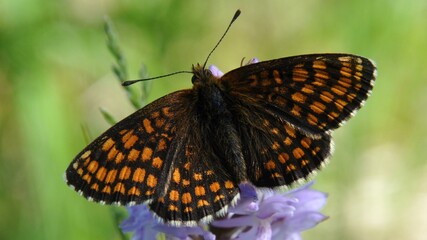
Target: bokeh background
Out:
[55,74]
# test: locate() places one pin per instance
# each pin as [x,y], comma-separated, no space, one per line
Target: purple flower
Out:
[273,215]
[258,214]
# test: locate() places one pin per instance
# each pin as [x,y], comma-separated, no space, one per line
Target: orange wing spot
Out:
[95,187]
[320,82]
[146,154]
[209,172]
[174,195]
[102,172]
[197,177]
[159,122]
[157,162]
[290,168]
[126,137]
[111,176]
[359,67]
[176,176]
[151,181]
[277,77]
[149,192]
[276,175]
[338,90]
[162,145]
[358,86]
[186,198]
[86,154]
[346,71]
[275,146]
[270,165]
[155,115]
[312,119]
[108,144]
[326,97]
[93,165]
[219,197]
[307,89]
[333,115]
[296,111]
[139,175]
[345,60]
[298,97]
[166,112]
[107,189]
[119,157]
[188,209]
[298,153]
[283,158]
[275,131]
[319,64]
[147,125]
[161,199]
[134,191]
[112,153]
[122,132]
[199,191]
[133,155]
[202,203]
[351,97]
[80,171]
[304,163]
[290,131]
[287,141]
[120,187]
[345,82]
[340,104]
[229,184]
[299,74]
[87,178]
[320,74]
[305,142]
[317,107]
[131,141]
[173,208]
[125,173]
[185,182]
[215,187]
[254,80]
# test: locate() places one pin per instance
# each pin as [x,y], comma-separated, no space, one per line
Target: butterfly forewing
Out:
[155,155]
[123,165]
[315,93]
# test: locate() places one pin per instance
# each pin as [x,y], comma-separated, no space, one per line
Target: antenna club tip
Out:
[237,14]
[126,83]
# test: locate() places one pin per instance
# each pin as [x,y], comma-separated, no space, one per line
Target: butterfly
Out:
[267,123]
[185,154]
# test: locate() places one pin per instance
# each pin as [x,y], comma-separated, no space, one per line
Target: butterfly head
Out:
[201,76]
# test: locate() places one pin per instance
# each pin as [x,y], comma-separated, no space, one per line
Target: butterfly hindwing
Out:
[277,154]
[315,93]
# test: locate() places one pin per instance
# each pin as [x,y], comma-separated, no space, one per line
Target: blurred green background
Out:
[55,74]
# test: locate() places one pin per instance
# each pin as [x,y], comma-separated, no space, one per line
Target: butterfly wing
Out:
[286,108]
[154,156]
[315,93]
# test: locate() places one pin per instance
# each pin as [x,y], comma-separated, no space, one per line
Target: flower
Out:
[273,215]
[258,214]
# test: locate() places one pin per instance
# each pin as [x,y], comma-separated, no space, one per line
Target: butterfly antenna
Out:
[236,15]
[130,82]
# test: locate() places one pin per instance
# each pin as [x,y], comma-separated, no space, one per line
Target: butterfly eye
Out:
[194,79]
